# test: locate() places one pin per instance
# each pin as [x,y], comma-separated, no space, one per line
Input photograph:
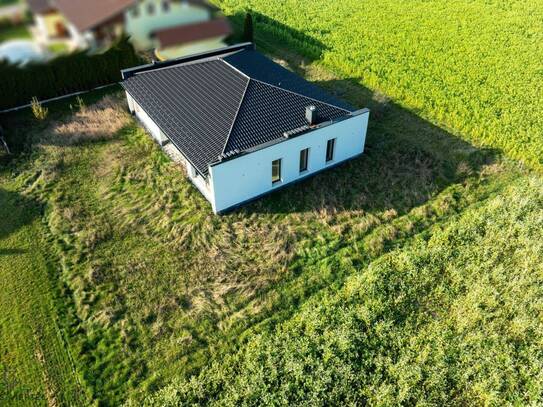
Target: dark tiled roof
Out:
[226,103]
[257,66]
[267,112]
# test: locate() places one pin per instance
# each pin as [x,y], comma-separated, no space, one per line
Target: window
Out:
[166,6]
[135,12]
[150,9]
[304,156]
[330,149]
[276,171]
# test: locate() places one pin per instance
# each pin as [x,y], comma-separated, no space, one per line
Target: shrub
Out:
[65,74]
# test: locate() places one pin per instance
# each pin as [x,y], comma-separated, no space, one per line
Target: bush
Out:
[65,74]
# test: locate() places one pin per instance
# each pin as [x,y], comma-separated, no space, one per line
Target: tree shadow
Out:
[406,161]
[16,211]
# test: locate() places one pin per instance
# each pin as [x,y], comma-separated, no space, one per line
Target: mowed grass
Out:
[35,366]
[14,32]
[470,66]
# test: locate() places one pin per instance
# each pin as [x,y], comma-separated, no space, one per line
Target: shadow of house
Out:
[406,161]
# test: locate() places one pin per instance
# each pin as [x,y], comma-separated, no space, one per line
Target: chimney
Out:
[311,114]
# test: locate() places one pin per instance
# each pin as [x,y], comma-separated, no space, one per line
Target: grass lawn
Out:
[8,2]
[14,33]
[411,274]
[35,367]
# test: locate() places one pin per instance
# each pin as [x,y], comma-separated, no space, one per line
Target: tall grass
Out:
[153,285]
[453,318]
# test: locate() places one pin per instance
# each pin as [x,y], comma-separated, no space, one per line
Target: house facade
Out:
[243,125]
[171,27]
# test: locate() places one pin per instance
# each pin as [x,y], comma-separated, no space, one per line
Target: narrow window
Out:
[166,6]
[330,149]
[304,155]
[135,12]
[150,9]
[276,171]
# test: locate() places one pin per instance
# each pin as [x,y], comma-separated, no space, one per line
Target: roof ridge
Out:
[299,94]
[236,116]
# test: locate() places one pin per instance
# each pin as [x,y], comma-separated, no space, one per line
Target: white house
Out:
[244,125]
[171,27]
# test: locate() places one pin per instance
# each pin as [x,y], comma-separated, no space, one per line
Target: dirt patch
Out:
[100,121]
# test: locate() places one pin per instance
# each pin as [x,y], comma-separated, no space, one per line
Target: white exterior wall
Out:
[141,26]
[41,29]
[149,124]
[198,181]
[249,176]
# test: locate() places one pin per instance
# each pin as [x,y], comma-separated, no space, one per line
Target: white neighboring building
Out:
[171,27]
[244,125]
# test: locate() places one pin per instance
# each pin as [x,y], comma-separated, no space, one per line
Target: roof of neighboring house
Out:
[40,6]
[85,14]
[218,104]
[185,34]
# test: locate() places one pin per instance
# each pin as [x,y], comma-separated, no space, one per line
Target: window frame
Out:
[304,154]
[330,150]
[279,178]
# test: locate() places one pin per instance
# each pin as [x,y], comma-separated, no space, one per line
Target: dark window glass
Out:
[151,9]
[330,149]
[304,156]
[135,12]
[166,6]
[276,171]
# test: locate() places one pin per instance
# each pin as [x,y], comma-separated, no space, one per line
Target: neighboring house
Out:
[171,27]
[244,125]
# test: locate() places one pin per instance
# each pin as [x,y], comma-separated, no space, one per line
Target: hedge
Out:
[65,74]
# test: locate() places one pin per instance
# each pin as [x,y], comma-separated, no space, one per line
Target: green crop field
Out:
[473,67]
[409,275]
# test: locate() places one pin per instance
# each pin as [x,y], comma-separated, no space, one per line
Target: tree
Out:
[248,31]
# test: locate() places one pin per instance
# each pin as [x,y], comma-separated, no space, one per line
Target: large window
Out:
[276,171]
[330,149]
[304,157]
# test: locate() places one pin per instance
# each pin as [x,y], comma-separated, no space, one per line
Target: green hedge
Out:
[65,74]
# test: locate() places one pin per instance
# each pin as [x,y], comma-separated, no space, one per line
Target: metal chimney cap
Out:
[311,114]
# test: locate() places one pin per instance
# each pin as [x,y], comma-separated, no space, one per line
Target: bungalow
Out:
[243,125]
[171,27]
